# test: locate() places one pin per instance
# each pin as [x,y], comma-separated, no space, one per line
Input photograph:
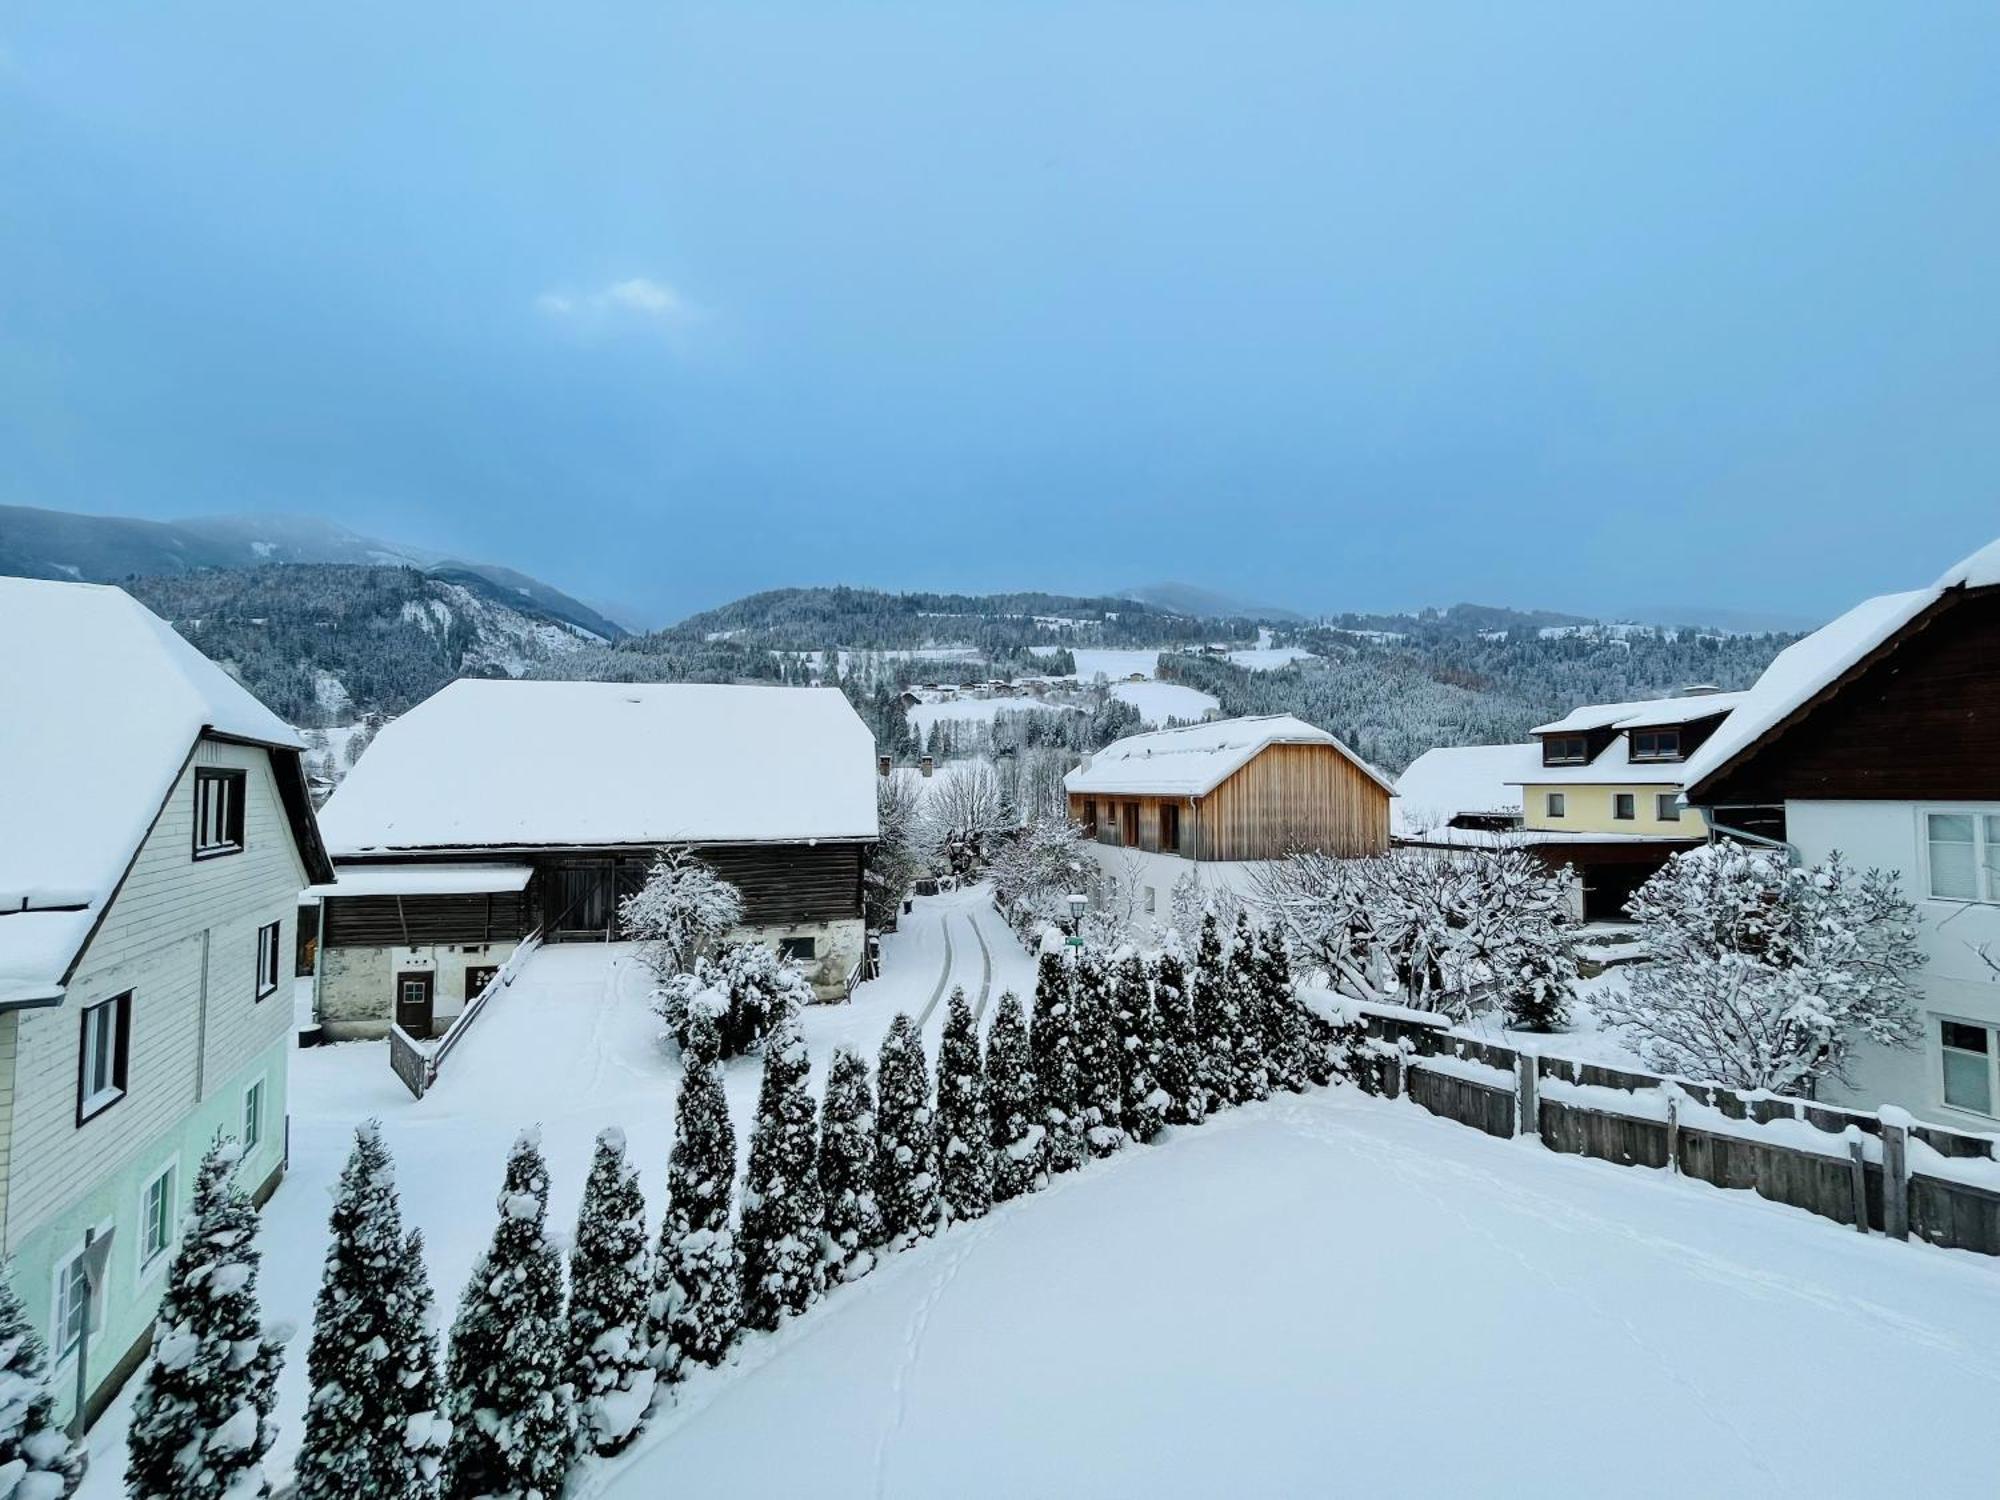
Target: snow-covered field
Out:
[1270,658]
[1158,702]
[1095,661]
[979,710]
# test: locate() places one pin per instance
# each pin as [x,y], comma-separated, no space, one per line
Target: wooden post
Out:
[1673,1129]
[1857,1176]
[1895,1179]
[1528,1119]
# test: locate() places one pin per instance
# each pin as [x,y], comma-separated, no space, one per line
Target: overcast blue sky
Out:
[1336,305]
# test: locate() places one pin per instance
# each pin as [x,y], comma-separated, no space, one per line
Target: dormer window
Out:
[1656,744]
[218,813]
[1565,750]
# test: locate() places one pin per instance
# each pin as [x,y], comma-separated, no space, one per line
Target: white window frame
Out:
[149,1264]
[1992,1064]
[1985,878]
[268,961]
[116,1009]
[254,1090]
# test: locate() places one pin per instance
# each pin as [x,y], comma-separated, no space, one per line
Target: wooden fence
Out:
[418,1065]
[1871,1170]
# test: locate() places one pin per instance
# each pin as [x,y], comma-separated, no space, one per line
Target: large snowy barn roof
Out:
[100,705]
[1195,760]
[491,765]
[1441,784]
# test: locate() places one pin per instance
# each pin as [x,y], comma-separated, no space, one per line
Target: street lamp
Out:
[1077,902]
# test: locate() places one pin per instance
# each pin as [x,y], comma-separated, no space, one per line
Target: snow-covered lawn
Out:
[1270,658]
[1158,702]
[1115,663]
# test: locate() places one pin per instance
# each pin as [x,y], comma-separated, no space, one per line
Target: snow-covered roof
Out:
[1440,784]
[1641,713]
[1192,761]
[425,880]
[100,705]
[490,764]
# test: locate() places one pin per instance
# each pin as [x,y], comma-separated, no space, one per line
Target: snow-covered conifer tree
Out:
[1142,1102]
[965,1160]
[1180,1052]
[781,1198]
[1018,1133]
[513,1425]
[851,1226]
[696,1308]
[1099,1061]
[680,913]
[1052,1050]
[37,1459]
[1052,1005]
[906,1184]
[610,1280]
[1284,1026]
[375,1422]
[1250,1077]
[1214,1020]
[201,1421]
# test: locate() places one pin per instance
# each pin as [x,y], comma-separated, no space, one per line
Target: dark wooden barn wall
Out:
[395,921]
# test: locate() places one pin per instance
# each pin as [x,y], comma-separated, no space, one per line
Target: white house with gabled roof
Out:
[153,843]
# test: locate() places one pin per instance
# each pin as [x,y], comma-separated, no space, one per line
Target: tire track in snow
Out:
[944,974]
[986,968]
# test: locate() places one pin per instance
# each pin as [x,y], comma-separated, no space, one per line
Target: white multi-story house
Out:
[154,836]
[1876,737]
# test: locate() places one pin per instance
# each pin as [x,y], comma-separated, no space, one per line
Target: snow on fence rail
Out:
[1873,1170]
[418,1064]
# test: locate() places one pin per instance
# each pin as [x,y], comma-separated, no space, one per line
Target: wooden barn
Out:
[497,810]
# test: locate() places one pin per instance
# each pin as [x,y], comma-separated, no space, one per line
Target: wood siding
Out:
[1289,797]
[405,921]
[786,884]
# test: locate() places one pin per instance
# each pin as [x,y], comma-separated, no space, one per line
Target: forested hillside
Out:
[813,619]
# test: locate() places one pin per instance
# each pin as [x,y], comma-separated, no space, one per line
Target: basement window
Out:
[801,950]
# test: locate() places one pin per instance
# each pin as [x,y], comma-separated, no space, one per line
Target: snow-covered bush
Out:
[1035,869]
[696,1308]
[513,1427]
[1767,975]
[201,1421]
[1052,1050]
[1180,1047]
[965,816]
[680,913]
[1194,900]
[37,1459]
[1142,1103]
[610,1278]
[851,1226]
[746,991]
[1286,1028]
[780,1234]
[1099,1053]
[375,1422]
[1250,1077]
[1016,1130]
[965,1162]
[906,1184]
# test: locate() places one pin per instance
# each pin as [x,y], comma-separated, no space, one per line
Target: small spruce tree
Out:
[1142,1102]
[696,1307]
[1052,1007]
[851,1226]
[1053,1050]
[375,1423]
[1019,1136]
[201,1421]
[1180,1053]
[610,1279]
[513,1426]
[1280,1014]
[906,1184]
[1214,1020]
[965,1159]
[37,1459]
[1100,1074]
[782,1274]
[1250,1078]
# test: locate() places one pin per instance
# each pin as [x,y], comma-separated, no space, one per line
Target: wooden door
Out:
[416,998]
[1130,813]
[476,977]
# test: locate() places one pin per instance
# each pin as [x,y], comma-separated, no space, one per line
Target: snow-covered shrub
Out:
[1035,869]
[781,1199]
[851,1226]
[1016,1132]
[680,913]
[1767,975]
[1286,1028]
[906,1184]
[1194,900]
[965,1162]
[1215,1020]
[513,1426]
[37,1459]
[1142,1103]
[1052,1051]
[964,819]
[1180,1050]
[746,990]
[375,1422]
[696,1307]
[1250,1077]
[201,1421]
[1099,1052]
[610,1278]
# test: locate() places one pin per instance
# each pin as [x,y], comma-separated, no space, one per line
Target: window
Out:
[799,949]
[1667,807]
[1565,750]
[1624,806]
[267,959]
[1130,813]
[72,1297]
[1170,827]
[253,1116]
[1967,1053]
[100,1078]
[1152,896]
[1558,805]
[156,1220]
[218,812]
[1656,744]
[1964,851]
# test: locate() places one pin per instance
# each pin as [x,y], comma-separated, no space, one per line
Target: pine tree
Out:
[375,1423]
[1053,1050]
[1142,1102]
[1100,1078]
[1052,1006]
[201,1422]
[1018,1135]
[1281,1016]
[696,1307]
[851,1226]
[610,1278]
[965,1160]
[1214,1020]
[906,1184]
[1249,1078]
[37,1459]
[513,1427]
[1180,1054]
[781,1198]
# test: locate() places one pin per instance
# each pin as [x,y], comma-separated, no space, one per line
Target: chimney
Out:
[1086,763]
[927,765]
[882,764]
